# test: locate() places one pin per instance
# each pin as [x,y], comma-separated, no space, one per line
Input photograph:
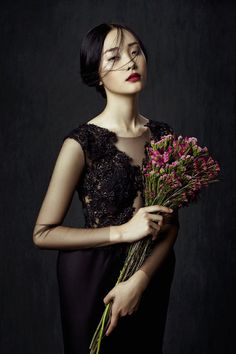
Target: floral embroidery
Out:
[109,182]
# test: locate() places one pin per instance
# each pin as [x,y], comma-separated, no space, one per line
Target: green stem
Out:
[102,327]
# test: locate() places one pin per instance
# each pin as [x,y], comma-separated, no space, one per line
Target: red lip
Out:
[135,75]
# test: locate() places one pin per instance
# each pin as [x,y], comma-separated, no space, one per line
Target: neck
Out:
[122,112]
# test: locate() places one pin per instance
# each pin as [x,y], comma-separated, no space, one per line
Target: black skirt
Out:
[85,277]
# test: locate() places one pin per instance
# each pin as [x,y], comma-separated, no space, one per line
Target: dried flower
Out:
[174,172]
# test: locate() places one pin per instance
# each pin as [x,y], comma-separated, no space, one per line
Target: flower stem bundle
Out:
[174,172]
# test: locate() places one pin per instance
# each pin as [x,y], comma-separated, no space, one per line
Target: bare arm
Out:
[48,232]
[126,295]
[161,250]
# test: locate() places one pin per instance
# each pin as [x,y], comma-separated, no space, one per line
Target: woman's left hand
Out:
[125,298]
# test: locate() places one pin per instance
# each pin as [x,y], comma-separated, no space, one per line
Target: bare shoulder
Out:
[71,150]
[70,143]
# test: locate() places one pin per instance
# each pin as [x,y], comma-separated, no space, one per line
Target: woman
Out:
[101,159]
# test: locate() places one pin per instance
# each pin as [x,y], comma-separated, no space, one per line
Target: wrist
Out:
[119,234]
[116,234]
[141,279]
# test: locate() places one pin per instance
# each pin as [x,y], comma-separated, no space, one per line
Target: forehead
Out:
[113,39]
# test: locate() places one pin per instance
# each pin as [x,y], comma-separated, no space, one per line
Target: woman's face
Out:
[122,63]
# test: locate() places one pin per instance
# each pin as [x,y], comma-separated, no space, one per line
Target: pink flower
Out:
[166,156]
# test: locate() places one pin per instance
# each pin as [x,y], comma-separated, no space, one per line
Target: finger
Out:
[137,306]
[108,298]
[130,312]
[155,230]
[112,325]
[157,217]
[134,309]
[154,225]
[157,207]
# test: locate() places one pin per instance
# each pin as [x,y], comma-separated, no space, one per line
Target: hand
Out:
[125,298]
[144,223]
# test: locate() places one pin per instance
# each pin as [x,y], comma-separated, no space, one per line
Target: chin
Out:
[131,91]
[137,87]
[136,90]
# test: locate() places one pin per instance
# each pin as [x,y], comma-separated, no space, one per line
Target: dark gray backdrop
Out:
[191,86]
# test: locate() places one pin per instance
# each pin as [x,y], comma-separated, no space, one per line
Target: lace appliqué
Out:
[109,182]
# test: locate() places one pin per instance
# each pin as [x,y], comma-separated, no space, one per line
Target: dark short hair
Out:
[91,50]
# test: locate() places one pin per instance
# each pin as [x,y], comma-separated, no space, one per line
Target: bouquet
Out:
[174,171]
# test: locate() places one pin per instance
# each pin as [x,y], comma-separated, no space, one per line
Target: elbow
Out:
[37,241]
[38,237]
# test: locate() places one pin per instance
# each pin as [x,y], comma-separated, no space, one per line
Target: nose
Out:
[132,64]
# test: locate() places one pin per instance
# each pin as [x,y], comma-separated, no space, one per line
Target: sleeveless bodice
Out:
[111,187]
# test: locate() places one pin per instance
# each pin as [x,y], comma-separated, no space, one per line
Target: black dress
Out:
[111,190]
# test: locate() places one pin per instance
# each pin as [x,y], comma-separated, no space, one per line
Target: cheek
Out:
[112,80]
[106,66]
[109,78]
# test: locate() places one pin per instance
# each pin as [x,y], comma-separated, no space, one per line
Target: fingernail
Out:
[171,210]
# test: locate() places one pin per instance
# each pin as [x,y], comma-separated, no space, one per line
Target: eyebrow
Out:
[111,49]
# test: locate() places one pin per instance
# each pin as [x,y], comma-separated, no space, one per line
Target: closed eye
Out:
[137,52]
[112,58]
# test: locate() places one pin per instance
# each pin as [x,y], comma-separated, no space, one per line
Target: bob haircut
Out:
[91,51]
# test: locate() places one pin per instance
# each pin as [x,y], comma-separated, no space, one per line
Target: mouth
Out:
[133,77]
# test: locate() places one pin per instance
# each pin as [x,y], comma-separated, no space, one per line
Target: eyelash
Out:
[136,51]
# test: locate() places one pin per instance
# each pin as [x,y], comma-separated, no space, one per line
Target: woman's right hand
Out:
[144,222]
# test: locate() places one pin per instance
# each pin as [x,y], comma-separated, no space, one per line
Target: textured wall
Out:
[191,85]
